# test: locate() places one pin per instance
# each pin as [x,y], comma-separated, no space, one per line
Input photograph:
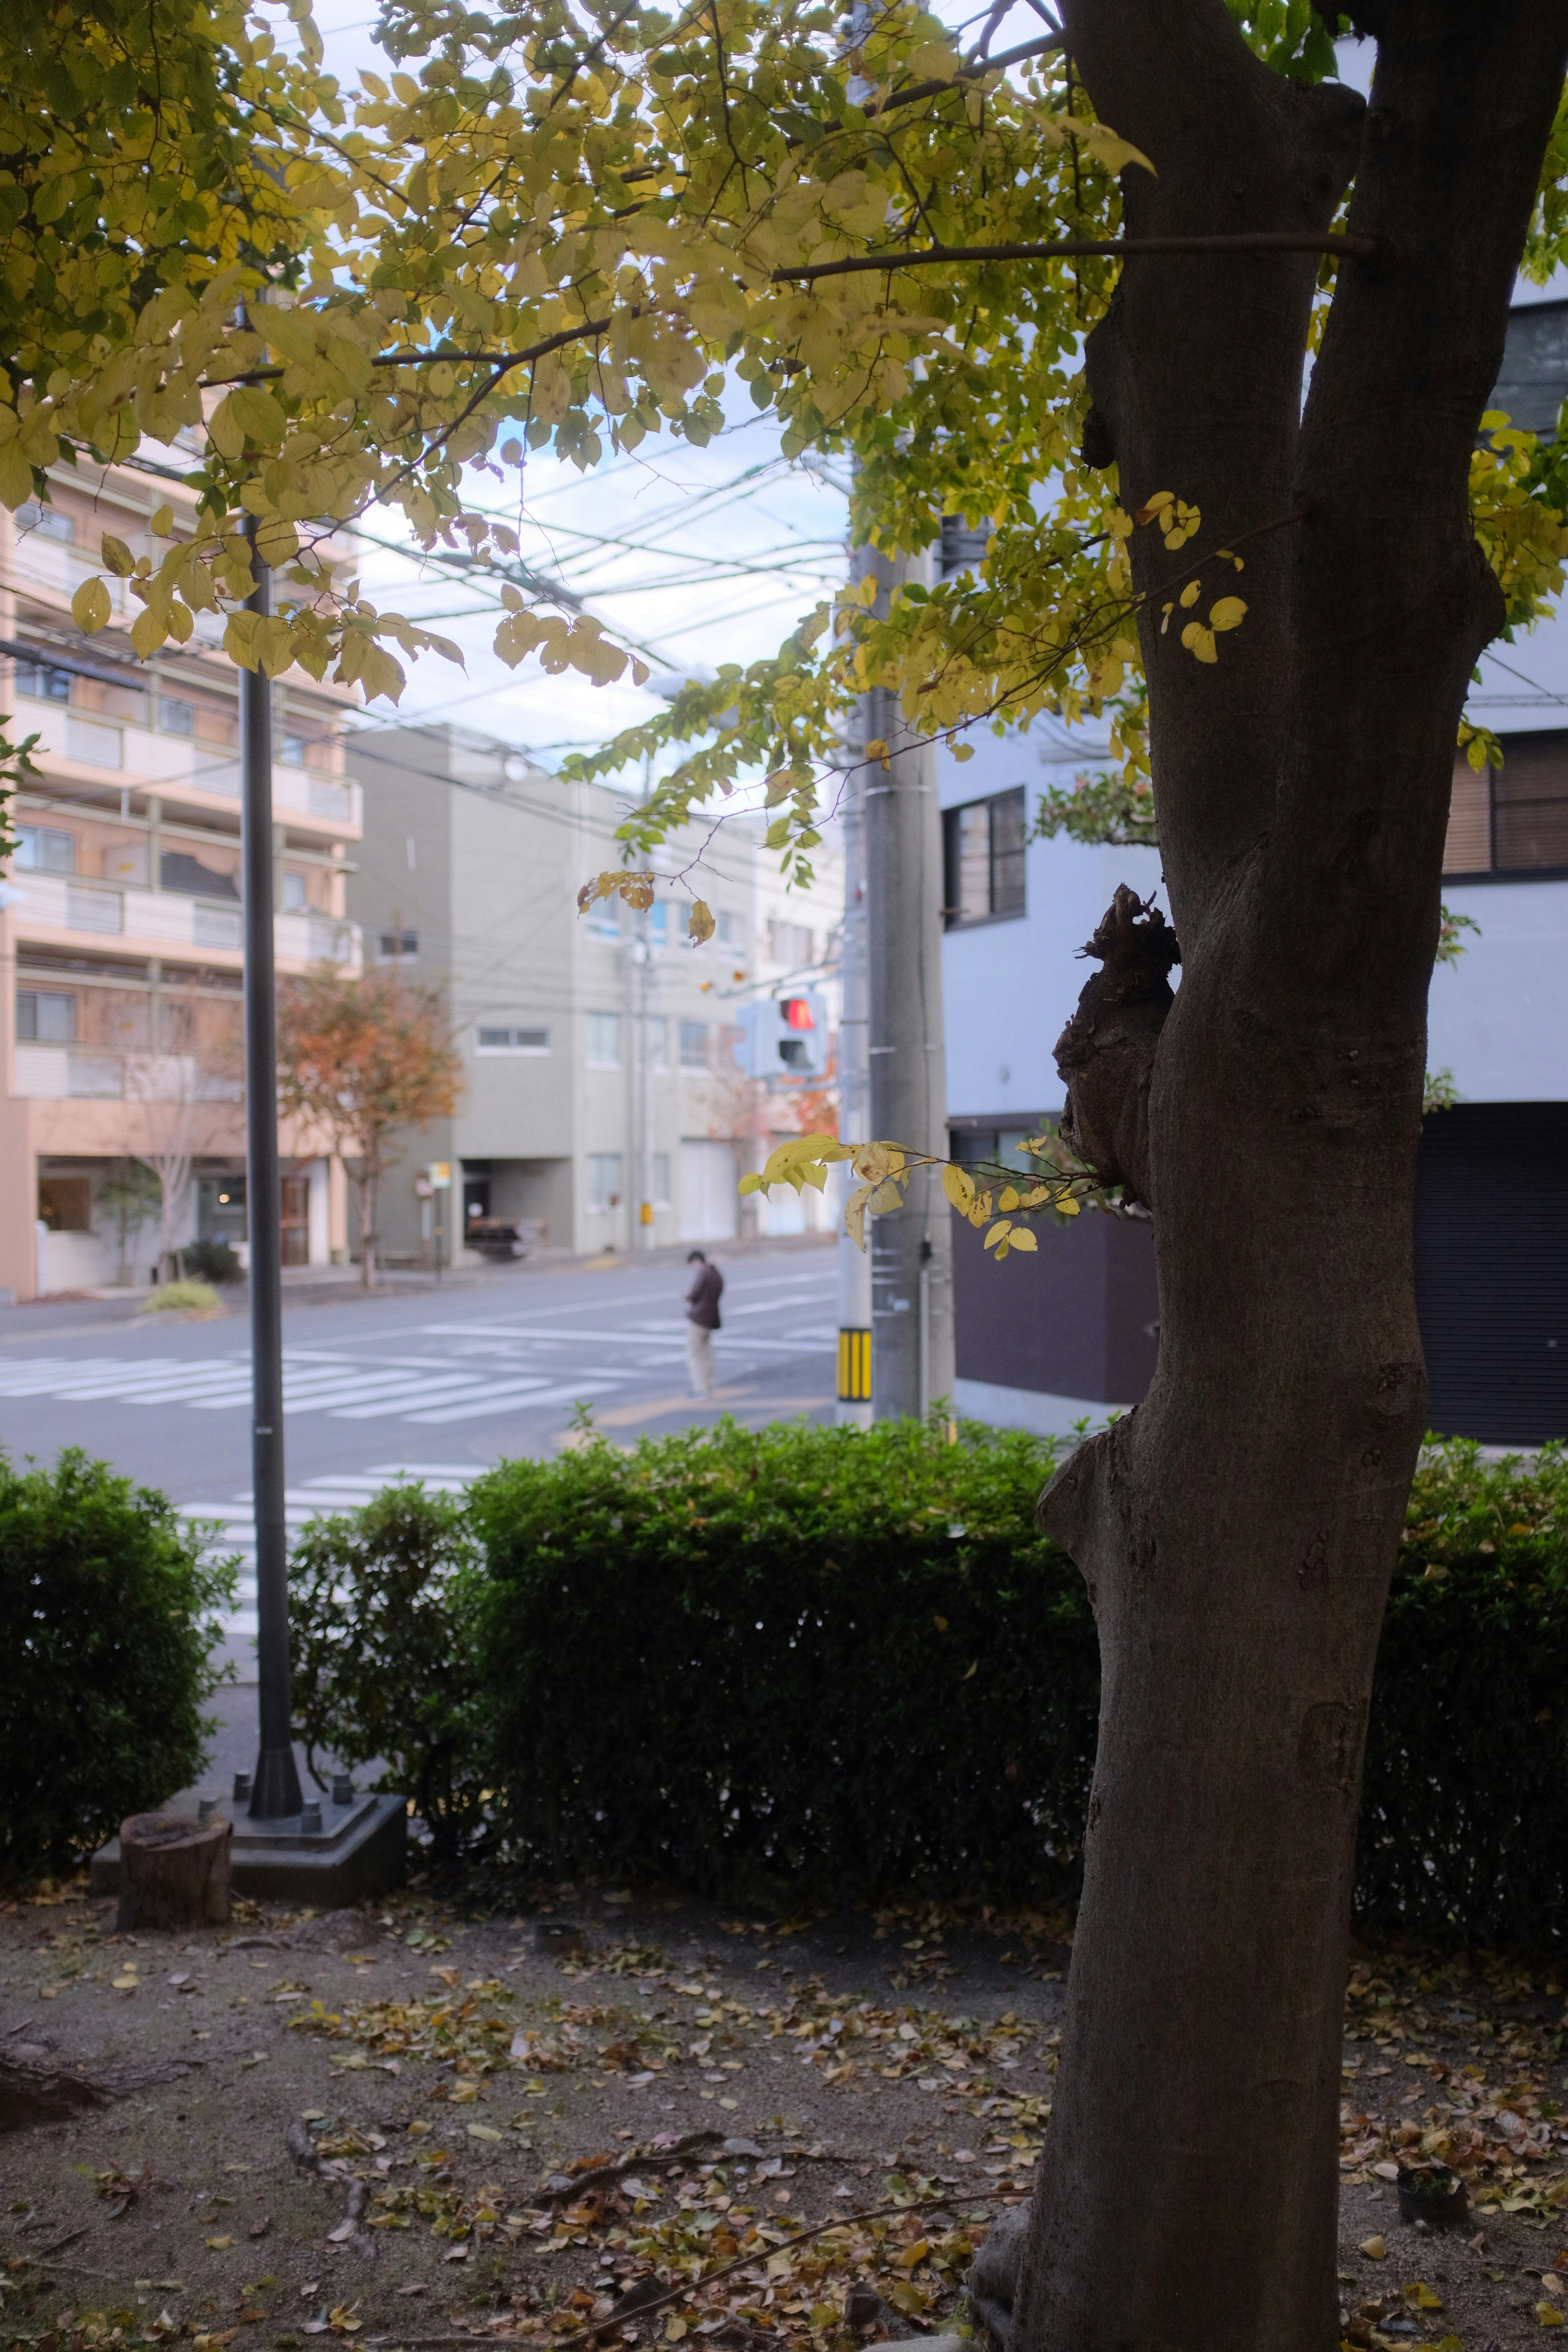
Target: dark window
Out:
[177,870]
[174,716]
[1512,819]
[984,859]
[399,947]
[45,679]
[65,1204]
[45,1016]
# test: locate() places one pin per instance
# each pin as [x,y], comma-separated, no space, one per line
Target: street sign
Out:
[441,1175]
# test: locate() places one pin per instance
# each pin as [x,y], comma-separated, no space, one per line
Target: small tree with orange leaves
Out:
[363,1059]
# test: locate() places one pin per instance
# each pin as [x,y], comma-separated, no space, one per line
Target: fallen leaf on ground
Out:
[1373,2249]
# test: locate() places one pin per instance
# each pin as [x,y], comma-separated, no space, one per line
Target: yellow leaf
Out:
[1192,592]
[962,751]
[749,1185]
[699,924]
[1009,1197]
[1373,2249]
[778,787]
[875,1160]
[90,608]
[1228,614]
[162,522]
[1199,641]
[218,2244]
[1067,1207]
[921,2247]
[16,475]
[1108,149]
[855,1214]
[148,632]
[674,2331]
[958,1186]
[999,1232]
[117,556]
[1424,2300]
[1548,2314]
[1022,1238]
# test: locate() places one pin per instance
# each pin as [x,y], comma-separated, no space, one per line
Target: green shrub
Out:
[196,1300]
[382,1652]
[211,1261]
[806,1654]
[106,1635]
[1464,1822]
[800,1653]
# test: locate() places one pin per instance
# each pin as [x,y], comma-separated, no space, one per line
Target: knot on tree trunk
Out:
[1106,1052]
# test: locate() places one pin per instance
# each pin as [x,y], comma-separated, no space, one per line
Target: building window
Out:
[65,1204]
[292,751]
[293,892]
[604,1042]
[1002,1146]
[1512,819]
[399,947]
[45,1016]
[603,1179]
[726,928]
[788,942]
[658,923]
[604,919]
[47,521]
[983,856]
[44,679]
[510,1040]
[174,716]
[694,1044]
[661,1180]
[45,850]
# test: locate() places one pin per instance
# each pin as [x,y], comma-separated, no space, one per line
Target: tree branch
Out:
[1367,248]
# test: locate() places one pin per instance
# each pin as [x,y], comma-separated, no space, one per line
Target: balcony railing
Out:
[157,920]
[101,1074]
[180,764]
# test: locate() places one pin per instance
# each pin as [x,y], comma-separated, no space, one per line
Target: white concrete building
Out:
[1044,1340]
[604,1106]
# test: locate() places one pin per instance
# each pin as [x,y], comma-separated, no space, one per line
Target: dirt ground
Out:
[364,2125]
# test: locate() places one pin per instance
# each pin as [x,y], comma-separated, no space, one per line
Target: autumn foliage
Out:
[363,1058]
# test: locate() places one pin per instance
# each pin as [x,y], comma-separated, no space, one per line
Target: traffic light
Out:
[784,1036]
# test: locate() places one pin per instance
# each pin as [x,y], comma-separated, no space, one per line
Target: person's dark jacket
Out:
[702,1298]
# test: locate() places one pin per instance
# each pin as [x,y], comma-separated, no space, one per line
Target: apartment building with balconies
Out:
[120,928]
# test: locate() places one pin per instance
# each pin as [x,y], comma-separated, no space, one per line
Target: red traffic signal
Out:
[797,1011]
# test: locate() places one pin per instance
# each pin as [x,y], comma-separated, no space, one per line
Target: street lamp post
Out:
[275,1784]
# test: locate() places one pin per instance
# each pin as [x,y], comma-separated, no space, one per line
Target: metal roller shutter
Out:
[1491,1270]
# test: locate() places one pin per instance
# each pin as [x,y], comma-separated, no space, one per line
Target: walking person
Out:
[702,1321]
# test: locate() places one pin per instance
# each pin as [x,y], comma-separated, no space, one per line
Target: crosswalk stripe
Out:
[502,1399]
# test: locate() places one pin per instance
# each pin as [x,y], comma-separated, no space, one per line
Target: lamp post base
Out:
[327,1855]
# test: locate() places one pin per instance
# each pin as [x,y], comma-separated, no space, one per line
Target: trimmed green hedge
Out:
[1465,1794]
[106,1631]
[736,1656]
[850,1660]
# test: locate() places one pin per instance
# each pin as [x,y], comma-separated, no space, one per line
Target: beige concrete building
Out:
[119,935]
[603,1103]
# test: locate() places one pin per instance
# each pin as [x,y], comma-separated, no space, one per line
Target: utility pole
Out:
[275,1784]
[911,1247]
[854,1384]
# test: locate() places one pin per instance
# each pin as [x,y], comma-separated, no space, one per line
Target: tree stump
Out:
[173,1871]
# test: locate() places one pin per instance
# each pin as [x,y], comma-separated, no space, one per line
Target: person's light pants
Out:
[699,1359]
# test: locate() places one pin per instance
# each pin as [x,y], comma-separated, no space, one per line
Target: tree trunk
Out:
[367,1232]
[173,1871]
[1237,1532]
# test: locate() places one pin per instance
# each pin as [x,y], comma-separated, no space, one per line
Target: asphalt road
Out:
[437,1384]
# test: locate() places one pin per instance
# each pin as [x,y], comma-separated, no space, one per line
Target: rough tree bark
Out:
[1238,1531]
